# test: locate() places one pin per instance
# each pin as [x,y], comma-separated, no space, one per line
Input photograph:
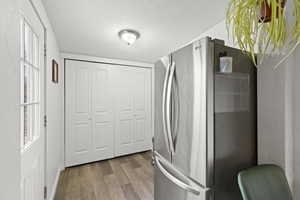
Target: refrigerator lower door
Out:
[170,183]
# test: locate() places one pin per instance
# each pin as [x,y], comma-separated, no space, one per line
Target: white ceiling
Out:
[91,27]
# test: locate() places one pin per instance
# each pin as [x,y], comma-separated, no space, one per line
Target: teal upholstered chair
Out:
[264,182]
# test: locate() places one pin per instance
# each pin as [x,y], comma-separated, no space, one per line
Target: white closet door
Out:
[78,113]
[107,111]
[102,113]
[133,115]
[89,108]
[142,109]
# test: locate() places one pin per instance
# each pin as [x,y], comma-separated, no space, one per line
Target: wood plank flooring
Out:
[123,178]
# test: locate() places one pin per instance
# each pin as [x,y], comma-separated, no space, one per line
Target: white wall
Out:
[218,31]
[271,115]
[279,117]
[9,110]
[54,107]
[55,115]
[296,123]
[278,110]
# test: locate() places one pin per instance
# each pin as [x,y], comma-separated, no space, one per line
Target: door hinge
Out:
[45,192]
[45,121]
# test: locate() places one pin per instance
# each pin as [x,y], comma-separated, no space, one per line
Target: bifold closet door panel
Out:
[89,113]
[142,109]
[133,110]
[102,112]
[78,113]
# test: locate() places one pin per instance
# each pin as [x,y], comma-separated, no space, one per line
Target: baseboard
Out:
[52,194]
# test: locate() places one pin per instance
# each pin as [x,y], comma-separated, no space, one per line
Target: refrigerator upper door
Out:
[161,140]
[194,138]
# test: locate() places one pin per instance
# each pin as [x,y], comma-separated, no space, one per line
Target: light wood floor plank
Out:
[130,193]
[86,183]
[101,189]
[119,172]
[124,178]
[137,183]
[147,180]
[73,186]
[147,165]
[61,186]
[114,187]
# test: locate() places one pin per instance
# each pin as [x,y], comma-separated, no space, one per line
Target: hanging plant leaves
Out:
[296,30]
[242,19]
[257,25]
[295,42]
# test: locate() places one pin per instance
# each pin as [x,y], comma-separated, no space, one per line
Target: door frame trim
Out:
[84,58]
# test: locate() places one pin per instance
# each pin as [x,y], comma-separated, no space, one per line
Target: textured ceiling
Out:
[91,27]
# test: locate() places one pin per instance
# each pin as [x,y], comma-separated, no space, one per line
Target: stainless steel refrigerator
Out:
[205,122]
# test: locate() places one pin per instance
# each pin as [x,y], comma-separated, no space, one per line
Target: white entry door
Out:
[133,110]
[31,103]
[89,113]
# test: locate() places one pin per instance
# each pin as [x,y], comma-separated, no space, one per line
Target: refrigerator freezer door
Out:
[177,177]
[172,184]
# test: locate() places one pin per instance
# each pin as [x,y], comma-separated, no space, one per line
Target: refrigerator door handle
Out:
[175,111]
[166,108]
[182,180]
[169,107]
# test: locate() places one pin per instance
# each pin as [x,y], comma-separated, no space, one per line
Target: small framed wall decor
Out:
[54,71]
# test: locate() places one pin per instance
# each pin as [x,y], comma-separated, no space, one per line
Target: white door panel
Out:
[102,113]
[101,91]
[78,114]
[142,109]
[32,104]
[126,128]
[102,129]
[140,130]
[82,142]
[141,87]
[33,182]
[124,110]
[133,115]
[82,91]
[89,108]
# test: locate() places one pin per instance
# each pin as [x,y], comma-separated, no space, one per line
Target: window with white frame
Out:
[30,85]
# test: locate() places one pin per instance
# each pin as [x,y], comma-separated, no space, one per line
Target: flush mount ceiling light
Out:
[129,36]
